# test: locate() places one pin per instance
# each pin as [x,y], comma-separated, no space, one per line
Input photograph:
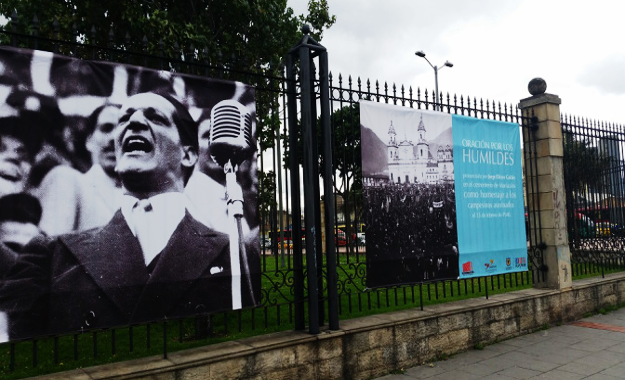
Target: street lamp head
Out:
[420,53]
[449,64]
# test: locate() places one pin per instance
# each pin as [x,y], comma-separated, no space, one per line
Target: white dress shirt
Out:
[167,210]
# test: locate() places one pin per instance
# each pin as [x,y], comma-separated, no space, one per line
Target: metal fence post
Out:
[305,51]
[333,312]
[310,175]
[298,280]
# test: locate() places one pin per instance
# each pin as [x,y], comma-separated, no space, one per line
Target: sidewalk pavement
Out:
[592,348]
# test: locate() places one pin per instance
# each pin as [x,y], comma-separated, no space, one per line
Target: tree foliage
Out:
[256,31]
[586,167]
[346,159]
[267,192]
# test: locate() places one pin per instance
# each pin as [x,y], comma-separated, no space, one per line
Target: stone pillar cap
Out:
[537,88]
[539,99]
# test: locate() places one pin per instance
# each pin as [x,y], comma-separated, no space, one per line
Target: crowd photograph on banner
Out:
[128,195]
[408,195]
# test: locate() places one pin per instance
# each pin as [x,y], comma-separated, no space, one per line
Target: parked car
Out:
[360,238]
[265,243]
[340,239]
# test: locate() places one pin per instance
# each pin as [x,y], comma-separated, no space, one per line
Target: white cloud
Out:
[497,47]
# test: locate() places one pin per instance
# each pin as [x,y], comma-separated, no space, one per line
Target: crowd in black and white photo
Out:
[412,234]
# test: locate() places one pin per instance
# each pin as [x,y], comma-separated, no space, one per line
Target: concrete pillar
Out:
[548,201]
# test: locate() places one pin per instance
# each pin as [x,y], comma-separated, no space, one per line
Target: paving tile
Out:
[519,342]
[605,359]
[485,369]
[616,371]
[595,344]
[393,377]
[539,365]
[618,348]
[497,376]
[457,375]
[582,369]
[599,376]
[501,347]
[558,375]
[566,339]
[542,349]
[424,371]
[537,337]
[447,365]
[517,357]
[564,356]
[520,373]
[474,356]
[582,332]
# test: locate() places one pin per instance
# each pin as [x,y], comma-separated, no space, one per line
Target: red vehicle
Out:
[285,235]
[340,238]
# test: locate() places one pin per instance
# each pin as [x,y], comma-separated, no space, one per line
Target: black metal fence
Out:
[594,175]
[284,302]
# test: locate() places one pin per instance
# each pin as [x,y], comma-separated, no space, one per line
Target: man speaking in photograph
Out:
[151,261]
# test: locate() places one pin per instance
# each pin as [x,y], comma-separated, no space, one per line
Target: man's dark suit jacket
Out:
[98,278]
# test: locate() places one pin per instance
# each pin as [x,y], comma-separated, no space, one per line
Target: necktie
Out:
[143,217]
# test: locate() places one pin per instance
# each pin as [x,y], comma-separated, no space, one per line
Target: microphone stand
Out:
[238,255]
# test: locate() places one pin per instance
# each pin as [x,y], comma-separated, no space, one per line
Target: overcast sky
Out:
[496,46]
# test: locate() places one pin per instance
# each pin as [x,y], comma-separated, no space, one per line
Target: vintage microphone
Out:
[230,145]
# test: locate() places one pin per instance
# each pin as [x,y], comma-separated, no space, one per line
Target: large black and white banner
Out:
[127,195]
[443,195]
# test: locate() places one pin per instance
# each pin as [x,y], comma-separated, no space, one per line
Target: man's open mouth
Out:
[10,173]
[137,144]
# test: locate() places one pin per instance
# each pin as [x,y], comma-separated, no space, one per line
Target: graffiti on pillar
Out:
[564,261]
[558,212]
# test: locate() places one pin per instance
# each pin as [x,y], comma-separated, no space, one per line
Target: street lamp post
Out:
[421,54]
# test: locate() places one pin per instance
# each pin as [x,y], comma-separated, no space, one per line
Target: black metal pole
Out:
[298,275]
[310,203]
[165,339]
[35,353]
[12,357]
[324,101]
[95,344]
[56,350]
[317,193]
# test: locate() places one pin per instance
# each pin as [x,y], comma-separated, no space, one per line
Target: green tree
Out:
[256,31]
[267,192]
[346,160]
[586,167]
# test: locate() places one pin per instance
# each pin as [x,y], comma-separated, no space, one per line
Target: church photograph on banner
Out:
[441,200]
[113,202]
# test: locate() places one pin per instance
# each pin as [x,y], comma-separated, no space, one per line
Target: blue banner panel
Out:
[489,197]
